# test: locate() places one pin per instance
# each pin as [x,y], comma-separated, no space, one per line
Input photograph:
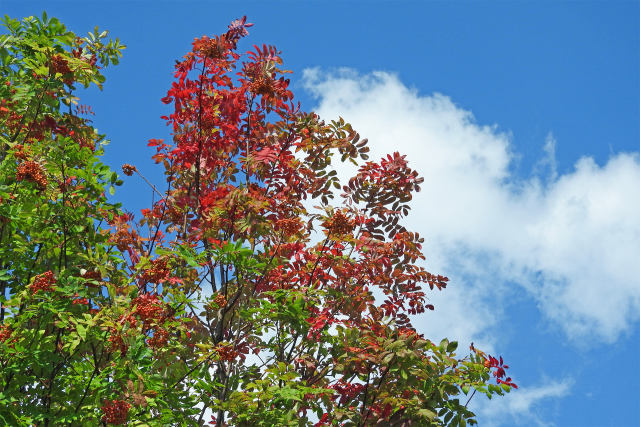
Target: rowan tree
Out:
[259,289]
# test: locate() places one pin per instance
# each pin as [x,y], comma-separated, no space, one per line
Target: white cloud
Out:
[520,407]
[571,240]
[548,163]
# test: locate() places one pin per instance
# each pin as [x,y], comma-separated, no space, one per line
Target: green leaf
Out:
[74,344]
[427,413]
[82,331]
[448,417]
[289,394]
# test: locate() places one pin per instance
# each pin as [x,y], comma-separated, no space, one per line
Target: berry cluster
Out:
[226,352]
[115,412]
[288,226]
[263,79]
[32,171]
[129,318]
[339,224]
[220,300]
[19,152]
[149,307]
[60,65]
[77,300]
[128,169]
[157,273]
[214,48]
[5,333]
[42,282]
[123,237]
[117,343]
[91,275]
[159,339]
[262,82]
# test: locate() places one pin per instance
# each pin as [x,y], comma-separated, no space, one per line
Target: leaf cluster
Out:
[249,293]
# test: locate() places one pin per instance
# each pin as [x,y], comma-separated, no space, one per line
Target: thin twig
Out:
[469,400]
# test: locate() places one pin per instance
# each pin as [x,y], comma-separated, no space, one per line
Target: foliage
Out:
[254,296]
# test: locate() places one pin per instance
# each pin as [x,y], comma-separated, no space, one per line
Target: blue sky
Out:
[524,118]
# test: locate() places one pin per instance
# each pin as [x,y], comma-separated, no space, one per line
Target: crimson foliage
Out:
[258,289]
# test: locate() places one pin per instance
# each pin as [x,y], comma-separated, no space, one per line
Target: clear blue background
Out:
[572,68]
